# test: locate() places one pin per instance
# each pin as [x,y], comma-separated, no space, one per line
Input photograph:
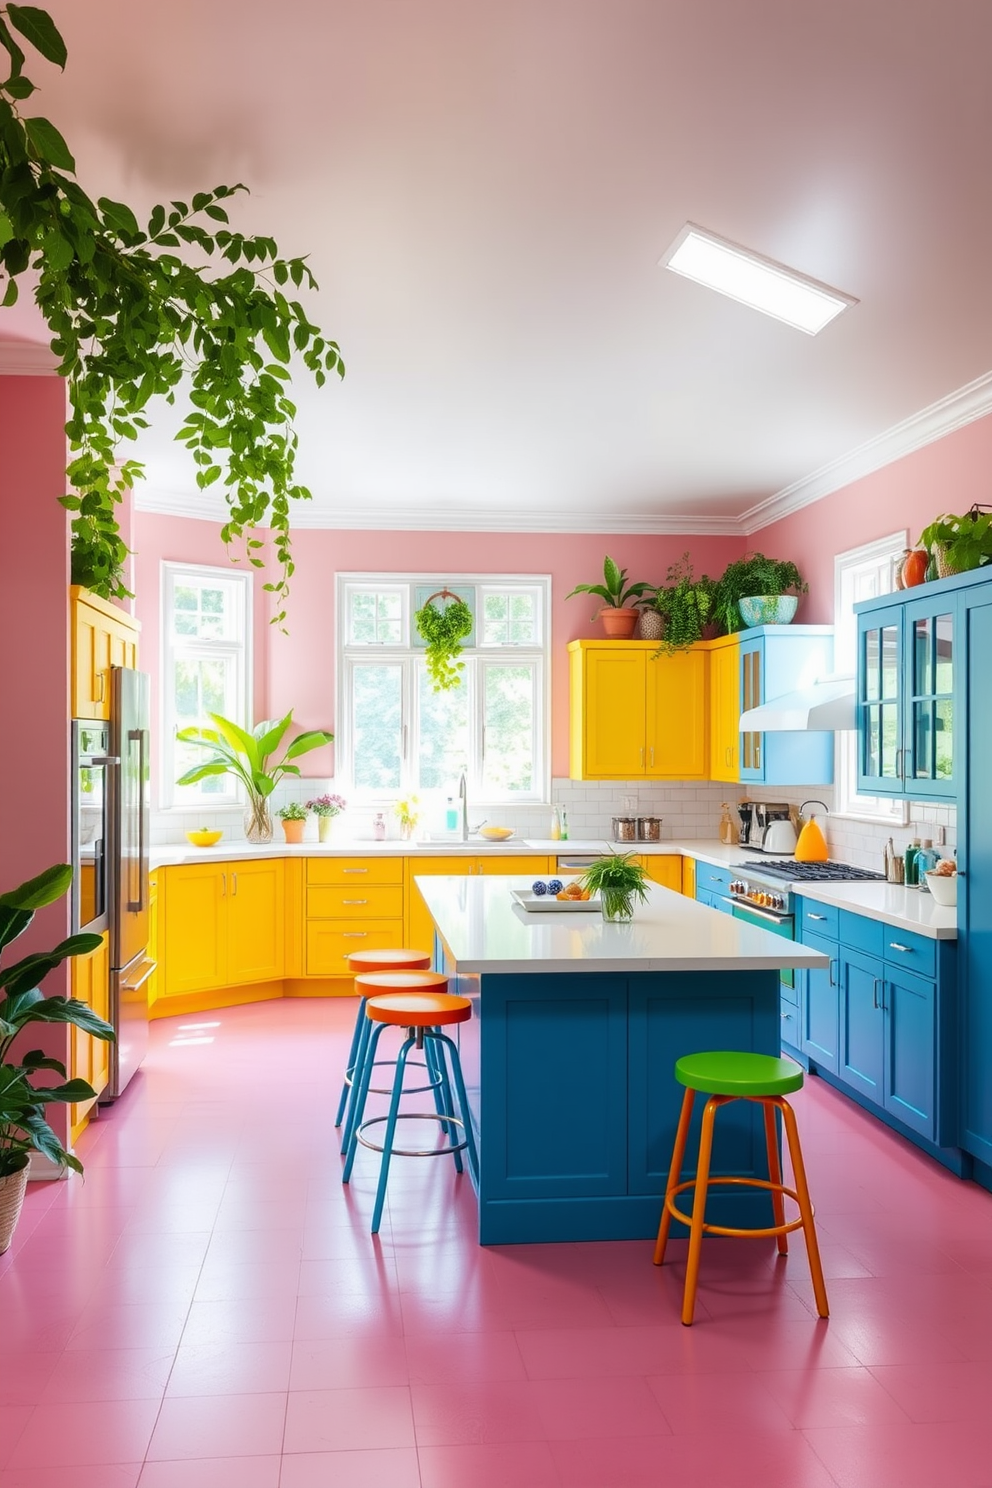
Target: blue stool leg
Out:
[356,1038]
[387,1142]
[466,1115]
[443,1100]
[363,1043]
[364,1081]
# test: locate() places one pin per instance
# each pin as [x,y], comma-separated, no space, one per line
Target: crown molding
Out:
[26,359]
[208,507]
[963,406]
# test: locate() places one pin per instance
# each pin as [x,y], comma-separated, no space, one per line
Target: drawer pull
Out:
[714,879]
[815,917]
[895,946]
[354,901]
[354,934]
[354,870]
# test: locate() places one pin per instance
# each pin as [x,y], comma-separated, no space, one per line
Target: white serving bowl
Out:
[944,889]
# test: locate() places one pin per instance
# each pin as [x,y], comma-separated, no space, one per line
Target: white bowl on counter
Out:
[944,888]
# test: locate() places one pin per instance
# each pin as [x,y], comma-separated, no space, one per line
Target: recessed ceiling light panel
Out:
[753,280]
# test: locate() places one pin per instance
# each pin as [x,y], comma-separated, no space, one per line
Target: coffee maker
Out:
[746,810]
[757,817]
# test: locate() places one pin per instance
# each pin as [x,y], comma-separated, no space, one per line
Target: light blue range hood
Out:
[827,706]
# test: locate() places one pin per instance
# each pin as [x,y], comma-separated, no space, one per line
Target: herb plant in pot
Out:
[959,544]
[618,615]
[294,820]
[444,626]
[235,751]
[325,809]
[619,879]
[23,1128]
[686,605]
[755,590]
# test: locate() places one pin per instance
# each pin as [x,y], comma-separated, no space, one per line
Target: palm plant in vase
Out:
[235,751]
[619,879]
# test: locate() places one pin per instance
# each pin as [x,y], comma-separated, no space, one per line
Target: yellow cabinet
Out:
[352,904]
[635,715]
[420,926]
[664,869]
[89,1058]
[223,925]
[725,708]
[102,636]
[689,877]
[152,984]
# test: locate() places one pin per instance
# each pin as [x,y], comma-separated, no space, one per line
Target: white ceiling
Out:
[485,187]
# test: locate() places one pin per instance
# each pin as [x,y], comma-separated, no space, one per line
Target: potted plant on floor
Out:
[618,615]
[325,808]
[235,751]
[23,1128]
[755,590]
[685,605]
[959,544]
[294,819]
[619,879]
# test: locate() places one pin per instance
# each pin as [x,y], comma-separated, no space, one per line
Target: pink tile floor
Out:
[208,1310]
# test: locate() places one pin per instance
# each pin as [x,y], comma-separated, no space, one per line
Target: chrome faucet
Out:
[463,807]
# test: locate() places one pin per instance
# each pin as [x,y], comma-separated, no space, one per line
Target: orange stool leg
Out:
[775,1173]
[805,1207]
[674,1174]
[699,1207]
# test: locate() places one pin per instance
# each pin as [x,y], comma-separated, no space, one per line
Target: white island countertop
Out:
[486,931]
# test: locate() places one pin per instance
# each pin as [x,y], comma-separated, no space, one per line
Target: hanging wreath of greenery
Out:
[444,629]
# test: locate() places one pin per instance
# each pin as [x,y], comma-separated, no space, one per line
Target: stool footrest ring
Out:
[388,1089]
[445,1120]
[713,1229]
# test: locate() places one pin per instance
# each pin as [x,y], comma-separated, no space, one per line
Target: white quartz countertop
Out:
[486,931]
[893,904]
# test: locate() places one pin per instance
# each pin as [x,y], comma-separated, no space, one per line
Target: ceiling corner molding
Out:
[26,359]
[963,406]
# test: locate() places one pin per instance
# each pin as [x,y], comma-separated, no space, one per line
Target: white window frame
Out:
[476,657]
[879,557]
[171,574]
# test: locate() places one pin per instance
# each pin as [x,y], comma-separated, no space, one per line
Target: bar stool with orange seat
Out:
[728,1076]
[391,1002]
[360,962]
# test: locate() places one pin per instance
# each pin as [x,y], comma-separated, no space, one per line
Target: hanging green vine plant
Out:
[131,319]
[444,629]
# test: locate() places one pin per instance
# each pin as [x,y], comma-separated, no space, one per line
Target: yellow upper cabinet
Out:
[637,715]
[725,707]
[102,636]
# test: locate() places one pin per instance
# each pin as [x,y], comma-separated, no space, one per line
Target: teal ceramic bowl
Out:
[768,609]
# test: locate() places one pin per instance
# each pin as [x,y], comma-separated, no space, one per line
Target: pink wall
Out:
[34,660]
[946,476]
[297,670]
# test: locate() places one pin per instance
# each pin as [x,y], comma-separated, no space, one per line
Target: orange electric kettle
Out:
[812,845]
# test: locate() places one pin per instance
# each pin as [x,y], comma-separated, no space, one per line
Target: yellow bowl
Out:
[204,837]
[496,834]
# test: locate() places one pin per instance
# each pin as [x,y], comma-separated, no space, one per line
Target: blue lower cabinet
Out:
[819,1010]
[862,1045]
[910,1051]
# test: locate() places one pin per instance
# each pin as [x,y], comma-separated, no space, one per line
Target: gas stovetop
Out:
[807,872]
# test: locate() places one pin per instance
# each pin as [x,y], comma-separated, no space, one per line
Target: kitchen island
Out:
[569,1056]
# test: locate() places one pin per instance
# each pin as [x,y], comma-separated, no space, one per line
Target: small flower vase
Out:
[618,905]
[258,821]
[407,829]
[325,828]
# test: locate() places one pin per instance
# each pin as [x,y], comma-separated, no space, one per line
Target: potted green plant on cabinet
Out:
[294,820]
[23,1128]
[618,615]
[685,605]
[958,544]
[619,879]
[755,590]
[235,751]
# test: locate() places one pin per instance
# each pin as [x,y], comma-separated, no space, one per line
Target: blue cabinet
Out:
[776,659]
[908,705]
[975,888]
[818,1008]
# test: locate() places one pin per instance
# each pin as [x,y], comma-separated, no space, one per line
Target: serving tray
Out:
[528,900]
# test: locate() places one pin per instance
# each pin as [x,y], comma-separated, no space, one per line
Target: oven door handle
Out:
[761,914]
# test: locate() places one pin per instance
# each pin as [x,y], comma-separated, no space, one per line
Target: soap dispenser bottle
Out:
[555,825]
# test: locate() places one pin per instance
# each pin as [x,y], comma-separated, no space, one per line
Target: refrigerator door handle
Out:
[137,866]
[151,967]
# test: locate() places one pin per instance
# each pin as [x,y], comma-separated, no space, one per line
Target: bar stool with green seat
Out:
[358,963]
[424,1014]
[727,1076]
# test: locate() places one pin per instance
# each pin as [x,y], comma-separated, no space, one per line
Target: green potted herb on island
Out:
[755,590]
[618,615]
[294,819]
[235,751]
[23,1128]
[619,879]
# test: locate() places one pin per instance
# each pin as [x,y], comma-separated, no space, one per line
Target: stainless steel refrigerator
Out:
[130,964]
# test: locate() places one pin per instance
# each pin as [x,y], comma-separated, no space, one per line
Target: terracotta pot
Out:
[294,830]
[618,624]
[914,568]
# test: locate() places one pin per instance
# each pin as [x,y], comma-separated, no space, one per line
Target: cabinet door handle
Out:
[876,982]
[101,682]
[652,756]
[354,870]
[757,751]
[895,946]
[642,756]
[223,885]
[354,934]
[899,770]
[234,882]
[811,916]
[830,971]
[730,754]
[354,901]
